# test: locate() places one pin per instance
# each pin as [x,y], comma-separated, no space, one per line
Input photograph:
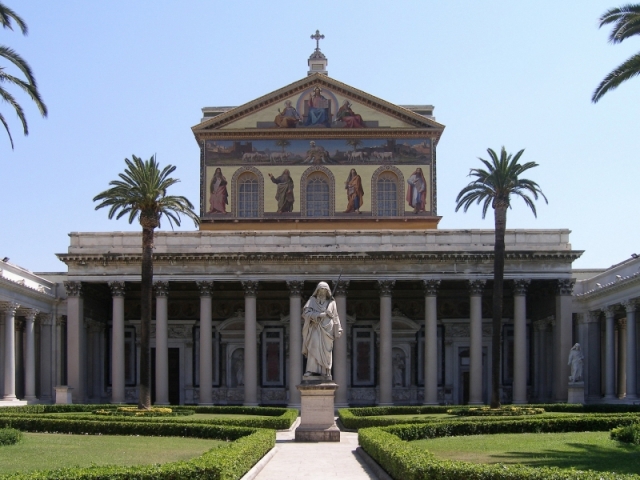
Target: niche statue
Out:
[576,362]
[321,327]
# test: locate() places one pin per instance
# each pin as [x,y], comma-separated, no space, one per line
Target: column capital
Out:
[29,313]
[430,287]
[117,289]
[61,320]
[520,286]
[588,317]
[250,288]
[205,288]
[45,319]
[476,287]
[9,308]
[341,288]
[295,287]
[74,289]
[161,289]
[609,311]
[564,286]
[386,287]
[629,305]
[622,323]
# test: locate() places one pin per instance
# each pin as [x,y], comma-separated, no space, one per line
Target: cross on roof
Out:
[317,37]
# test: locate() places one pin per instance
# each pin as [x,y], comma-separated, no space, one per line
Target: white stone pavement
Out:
[311,461]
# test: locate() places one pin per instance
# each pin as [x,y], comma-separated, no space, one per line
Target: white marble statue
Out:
[576,362]
[321,327]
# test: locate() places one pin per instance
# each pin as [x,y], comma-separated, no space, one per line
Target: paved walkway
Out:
[310,461]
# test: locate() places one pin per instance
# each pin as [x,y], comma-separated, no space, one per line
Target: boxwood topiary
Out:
[10,436]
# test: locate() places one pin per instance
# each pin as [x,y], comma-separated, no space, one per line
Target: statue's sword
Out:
[336,285]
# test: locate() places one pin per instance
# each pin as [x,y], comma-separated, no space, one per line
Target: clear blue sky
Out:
[124,78]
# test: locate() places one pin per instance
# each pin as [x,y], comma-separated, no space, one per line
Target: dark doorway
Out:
[174,376]
[465,388]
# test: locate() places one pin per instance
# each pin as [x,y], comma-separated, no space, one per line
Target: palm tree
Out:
[626,23]
[141,192]
[494,187]
[30,87]
[283,144]
[354,142]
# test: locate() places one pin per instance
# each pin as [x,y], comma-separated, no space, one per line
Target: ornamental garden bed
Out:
[403,450]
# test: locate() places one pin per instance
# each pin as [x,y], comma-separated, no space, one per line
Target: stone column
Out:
[9,310]
[609,369]
[19,342]
[76,358]
[475,349]
[250,344]
[295,341]
[431,341]
[340,363]
[591,350]
[541,327]
[386,344]
[47,361]
[117,343]
[622,358]
[161,290]
[520,341]
[630,308]
[30,356]
[206,348]
[562,338]
[61,364]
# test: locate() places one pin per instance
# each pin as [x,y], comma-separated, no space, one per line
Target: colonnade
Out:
[561,342]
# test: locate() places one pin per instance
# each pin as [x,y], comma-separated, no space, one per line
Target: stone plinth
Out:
[576,392]
[317,421]
[63,394]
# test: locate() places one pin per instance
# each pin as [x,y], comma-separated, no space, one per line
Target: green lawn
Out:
[580,450]
[41,451]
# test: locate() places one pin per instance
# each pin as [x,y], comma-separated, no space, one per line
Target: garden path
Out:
[311,461]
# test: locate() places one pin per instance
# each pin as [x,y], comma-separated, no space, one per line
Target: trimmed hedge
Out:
[275,418]
[627,434]
[356,418]
[9,436]
[246,447]
[505,411]
[390,447]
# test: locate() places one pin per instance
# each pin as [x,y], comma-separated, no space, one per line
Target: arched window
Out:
[247,193]
[317,195]
[387,192]
[387,195]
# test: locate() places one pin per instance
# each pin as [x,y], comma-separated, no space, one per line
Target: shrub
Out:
[136,412]
[505,411]
[10,436]
[627,433]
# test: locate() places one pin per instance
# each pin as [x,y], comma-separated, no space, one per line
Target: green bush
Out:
[505,411]
[246,446]
[390,447]
[9,436]
[136,412]
[627,433]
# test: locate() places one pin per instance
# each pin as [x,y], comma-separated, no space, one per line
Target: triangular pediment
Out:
[315,103]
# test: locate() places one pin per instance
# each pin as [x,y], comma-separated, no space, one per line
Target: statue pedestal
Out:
[576,392]
[317,421]
[63,394]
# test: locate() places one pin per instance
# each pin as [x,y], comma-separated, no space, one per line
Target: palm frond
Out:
[7,16]
[629,69]
[626,20]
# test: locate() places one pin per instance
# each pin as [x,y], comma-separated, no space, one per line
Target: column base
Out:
[31,399]
[208,404]
[12,402]
[251,404]
[384,404]
[162,404]
[520,402]
[431,404]
[341,405]
[476,404]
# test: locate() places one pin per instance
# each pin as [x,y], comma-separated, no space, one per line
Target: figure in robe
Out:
[398,370]
[284,194]
[350,119]
[355,193]
[417,191]
[321,328]
[289,117]
[318,107]
[219,197]
[576,362]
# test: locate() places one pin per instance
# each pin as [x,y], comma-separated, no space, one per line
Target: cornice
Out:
[609,288]
[24,289]
[295,257]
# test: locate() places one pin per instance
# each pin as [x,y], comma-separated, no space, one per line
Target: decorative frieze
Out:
[520,286]
[430,287]
[386,287]
[342,287]
[74,289]
[564,286]
[476,287]
[250,288]
[9,308]
[160,288]
[117,289]
[205,288]
[295,288]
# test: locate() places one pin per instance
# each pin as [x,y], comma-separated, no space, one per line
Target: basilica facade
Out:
[316,181]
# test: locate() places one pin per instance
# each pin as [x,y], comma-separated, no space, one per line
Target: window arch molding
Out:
[304,180]
[400,188]
[234,189]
